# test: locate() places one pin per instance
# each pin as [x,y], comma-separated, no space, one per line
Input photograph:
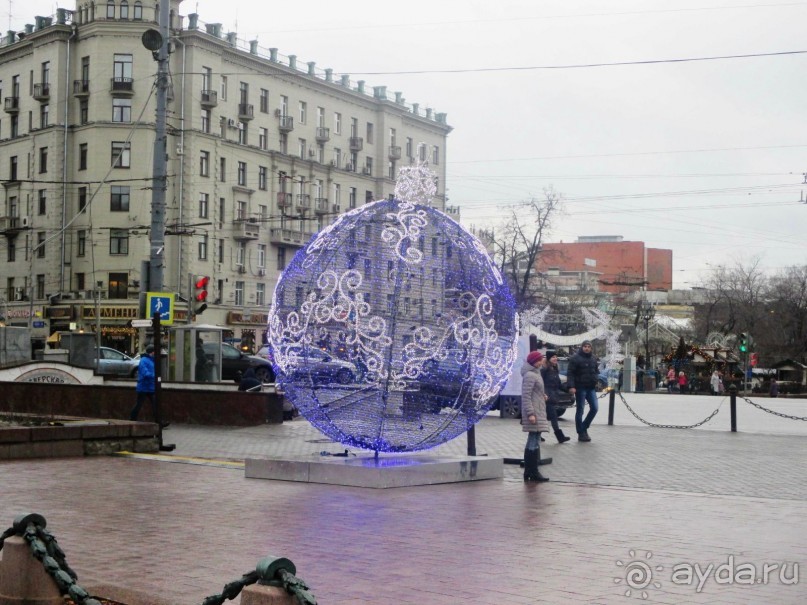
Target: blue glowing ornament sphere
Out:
[392,330]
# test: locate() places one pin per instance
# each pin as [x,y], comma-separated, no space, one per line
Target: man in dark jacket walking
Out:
[582,382]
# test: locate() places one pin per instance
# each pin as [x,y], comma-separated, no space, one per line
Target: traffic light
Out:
[743,342]
[754,359]
[200,283]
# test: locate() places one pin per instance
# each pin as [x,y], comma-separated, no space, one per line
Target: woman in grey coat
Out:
[533,414]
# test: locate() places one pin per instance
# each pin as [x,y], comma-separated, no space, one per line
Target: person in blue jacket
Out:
[145,382]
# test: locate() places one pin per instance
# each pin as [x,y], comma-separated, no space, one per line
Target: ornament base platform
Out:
[364,470]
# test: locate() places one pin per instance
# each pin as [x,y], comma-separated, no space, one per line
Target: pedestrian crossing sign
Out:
[161,303]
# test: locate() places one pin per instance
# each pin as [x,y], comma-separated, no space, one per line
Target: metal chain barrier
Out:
[271,571]
[775,413]
[671,426]
[46,550]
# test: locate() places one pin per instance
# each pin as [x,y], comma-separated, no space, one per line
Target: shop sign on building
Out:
[251,319]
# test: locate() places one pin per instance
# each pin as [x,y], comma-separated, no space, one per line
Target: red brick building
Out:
[620,266]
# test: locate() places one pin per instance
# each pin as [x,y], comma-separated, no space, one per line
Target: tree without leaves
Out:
[518,243]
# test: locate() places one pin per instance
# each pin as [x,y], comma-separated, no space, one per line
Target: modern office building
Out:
[263,151]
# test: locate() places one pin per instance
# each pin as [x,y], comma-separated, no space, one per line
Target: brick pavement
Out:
[182,531]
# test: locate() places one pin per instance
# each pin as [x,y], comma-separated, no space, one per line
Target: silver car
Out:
[115,363]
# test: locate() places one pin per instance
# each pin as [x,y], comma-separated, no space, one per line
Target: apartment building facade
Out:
[263,151]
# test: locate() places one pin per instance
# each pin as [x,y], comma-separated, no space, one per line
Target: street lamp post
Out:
[648,313]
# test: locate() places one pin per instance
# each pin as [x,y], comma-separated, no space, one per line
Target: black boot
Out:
[561,437]
[531,473]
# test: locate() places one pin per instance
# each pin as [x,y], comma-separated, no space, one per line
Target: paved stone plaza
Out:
[650,498]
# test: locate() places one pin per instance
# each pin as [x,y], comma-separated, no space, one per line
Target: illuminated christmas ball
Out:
[392,330]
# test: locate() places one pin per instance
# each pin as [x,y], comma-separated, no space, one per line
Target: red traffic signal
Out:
[754,359]
[201,287]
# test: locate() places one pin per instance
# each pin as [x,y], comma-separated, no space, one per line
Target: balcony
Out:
[356,143]
[321,205]
[8,223]
[122,87]
[246,111]
[284,199]
[367,171]
[81,88]
[42,92]
[209,98]
[394,152]
[335,209]
[323,135]
[303,202]
[288,237]
[246,229]
[286,124]
[12,105]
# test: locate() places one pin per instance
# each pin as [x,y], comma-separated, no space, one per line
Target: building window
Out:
[119,201]
[320,117]
[122,68]
[368,268]
[40,244]
[110,10]
[43,160]
[80,281]
[284,105]
[239,293]
[281,258]
[81,243]
[262,178]
[409,147]
[264,101]
[337,157]
[44,113]
[138,11]
[204,203]
[222,210]
[263,138]
[283,143]
[391,170]
[240,210]
[82,198]
[206,121]
[121,157]
[337,123]
[119,241]
[118,285]
[435,155]
[121,110]
[221,250]
[368,165]
[242,174]
[260,295]
[422,152]
[370,133]
[82,156]
[203,248]
[223,91]
[242,133]
[261,256]
[14,127]
[337,193]
[40,285]
[222,169]
[303,111]
[83,111]
[301,147]
[11,255]
[204,163]
[352,197]
[124,9]
[43,199]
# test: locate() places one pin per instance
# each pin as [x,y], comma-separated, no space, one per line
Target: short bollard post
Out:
[733,407]
[611,400]
[23,579]
[471,441]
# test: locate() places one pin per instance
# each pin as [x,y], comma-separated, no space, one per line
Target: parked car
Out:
[321,367]
[112,362]
[234,363]
[265,352]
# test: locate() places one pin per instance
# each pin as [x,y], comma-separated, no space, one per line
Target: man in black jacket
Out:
[582,382]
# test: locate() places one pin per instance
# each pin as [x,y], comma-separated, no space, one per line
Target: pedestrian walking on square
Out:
[682,382]
[774,392]
[714,381]
[145,383]
[582,380]
[533,414]
[670,379]
[552,386]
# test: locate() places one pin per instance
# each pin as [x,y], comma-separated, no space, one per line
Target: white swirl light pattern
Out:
[392,331]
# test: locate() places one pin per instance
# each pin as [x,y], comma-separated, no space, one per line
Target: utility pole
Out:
[160,162]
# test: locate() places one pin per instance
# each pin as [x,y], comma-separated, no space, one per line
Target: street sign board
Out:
[141,323]
[39,324]
[161,303]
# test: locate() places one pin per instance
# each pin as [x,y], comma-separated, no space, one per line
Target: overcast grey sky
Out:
[704,157]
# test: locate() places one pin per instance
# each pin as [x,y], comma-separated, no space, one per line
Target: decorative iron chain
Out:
[780,414]
[233,589]
[295,586]
[672,426]
[45,550]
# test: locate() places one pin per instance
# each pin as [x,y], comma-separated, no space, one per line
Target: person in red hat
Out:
[533,414]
